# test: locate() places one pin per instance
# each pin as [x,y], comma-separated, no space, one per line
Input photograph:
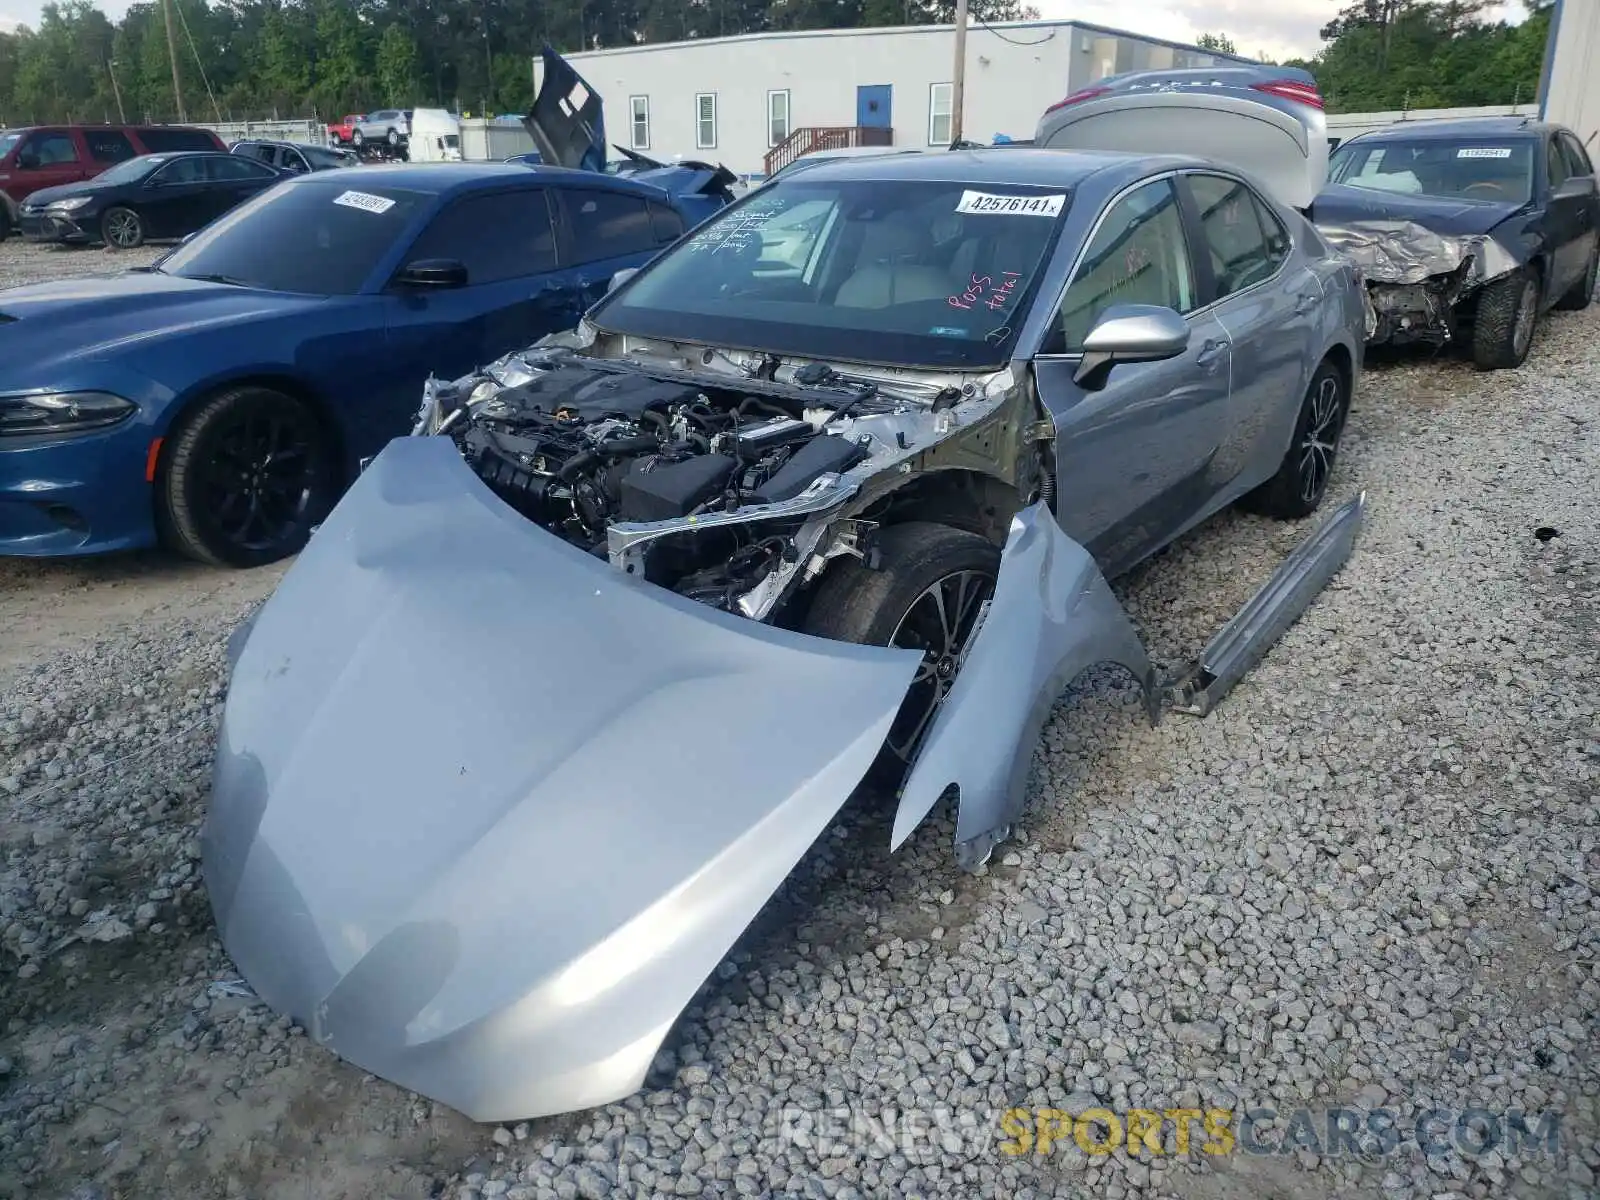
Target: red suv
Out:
[51,155]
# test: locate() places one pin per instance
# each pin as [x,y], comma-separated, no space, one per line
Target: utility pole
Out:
[116,90]
[958,87]
[172,55]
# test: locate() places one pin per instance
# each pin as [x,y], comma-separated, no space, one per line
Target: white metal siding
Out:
[1572,97]
[1009,81]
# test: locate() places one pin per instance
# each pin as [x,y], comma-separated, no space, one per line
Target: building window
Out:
[640,107]
[705,121]
[777,118]
[941,99]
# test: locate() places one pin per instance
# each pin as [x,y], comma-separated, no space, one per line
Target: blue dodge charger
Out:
[219,401]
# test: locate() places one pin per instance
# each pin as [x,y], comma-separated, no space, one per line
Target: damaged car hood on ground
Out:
[482,801]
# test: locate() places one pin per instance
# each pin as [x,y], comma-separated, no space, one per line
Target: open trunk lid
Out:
[567,121]
[1265,121]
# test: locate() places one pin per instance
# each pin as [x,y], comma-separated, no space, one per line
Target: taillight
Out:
[1079,97]
[1292,89]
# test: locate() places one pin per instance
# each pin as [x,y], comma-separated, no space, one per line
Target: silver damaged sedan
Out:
[827,493]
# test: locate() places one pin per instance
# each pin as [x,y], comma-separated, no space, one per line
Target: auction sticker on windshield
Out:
[1484,152]
[1023,206]
[365,201]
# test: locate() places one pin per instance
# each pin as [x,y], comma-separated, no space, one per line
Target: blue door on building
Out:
[872,106]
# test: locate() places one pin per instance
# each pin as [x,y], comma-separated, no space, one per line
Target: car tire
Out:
[121,228]
[248,474]
[1579,294]
[894,605]
[1502,331]
[394,137]
[357,139]
[1301,481]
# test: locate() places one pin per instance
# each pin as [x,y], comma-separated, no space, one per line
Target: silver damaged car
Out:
[827,493]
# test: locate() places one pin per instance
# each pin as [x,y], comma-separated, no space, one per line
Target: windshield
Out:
[327,158]
[312,237]
[131,169]
[8,140]
[1482,169]
[902,272]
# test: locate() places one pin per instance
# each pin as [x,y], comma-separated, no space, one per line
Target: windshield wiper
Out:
[230,280]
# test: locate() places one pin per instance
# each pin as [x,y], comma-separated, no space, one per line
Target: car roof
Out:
[450,179]
[1458,127]
[1004,165]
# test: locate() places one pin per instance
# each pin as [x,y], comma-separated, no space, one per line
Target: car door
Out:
[1583,178]
[506,241]
[1134,458]
[1267,301]
[1564,213]
[232,180]
[48,158]
[603,232]
[174,200]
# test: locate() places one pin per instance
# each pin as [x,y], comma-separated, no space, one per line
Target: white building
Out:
[1569,92]
[754,101]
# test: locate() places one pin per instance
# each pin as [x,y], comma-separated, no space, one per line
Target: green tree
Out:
[397,66]
[1221,43]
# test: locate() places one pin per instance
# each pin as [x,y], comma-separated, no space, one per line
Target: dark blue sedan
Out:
[219,401]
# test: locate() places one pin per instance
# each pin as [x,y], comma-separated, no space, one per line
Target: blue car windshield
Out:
[319,235]
[901,272]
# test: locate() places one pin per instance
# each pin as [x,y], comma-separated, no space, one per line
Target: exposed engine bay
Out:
[718,487]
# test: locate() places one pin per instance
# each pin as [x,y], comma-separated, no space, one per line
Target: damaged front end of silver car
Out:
[520,747]
[1415,278]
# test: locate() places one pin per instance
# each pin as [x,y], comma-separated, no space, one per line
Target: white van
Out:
[435,136]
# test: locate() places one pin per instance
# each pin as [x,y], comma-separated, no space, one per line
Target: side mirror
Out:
[433,273]
[1574,185]
[621,277]
[1129,333]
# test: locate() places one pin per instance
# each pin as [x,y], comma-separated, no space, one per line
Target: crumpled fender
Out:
[486,811]
[1052,616]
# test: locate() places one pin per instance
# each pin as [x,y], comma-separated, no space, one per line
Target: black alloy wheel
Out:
[250,472]
[122,228]
[1301,481]
[928,594]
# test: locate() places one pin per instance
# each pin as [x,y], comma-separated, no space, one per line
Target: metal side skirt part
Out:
[1051,617]
[487,812]
[1244,640]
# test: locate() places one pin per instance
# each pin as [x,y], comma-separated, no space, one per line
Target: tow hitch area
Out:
[1243,641]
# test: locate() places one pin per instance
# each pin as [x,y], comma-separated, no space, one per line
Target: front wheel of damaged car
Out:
[1302,477]
[249,473]
[1502,330]
[927,593]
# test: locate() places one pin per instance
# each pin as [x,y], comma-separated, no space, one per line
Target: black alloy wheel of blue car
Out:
[927,593]
[249,473]
[1302,477]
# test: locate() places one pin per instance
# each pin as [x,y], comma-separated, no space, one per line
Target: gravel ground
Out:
[1366,880]
[24,263]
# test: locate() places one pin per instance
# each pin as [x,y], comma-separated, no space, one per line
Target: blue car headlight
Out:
[61,412]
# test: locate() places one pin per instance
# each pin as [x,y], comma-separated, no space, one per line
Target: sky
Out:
[1280,28]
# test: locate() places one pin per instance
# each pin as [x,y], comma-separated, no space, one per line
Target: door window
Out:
[167,141]
[1230,221]
[233,169]
[179,172]
[108,145]
[50,149]
[668,225]
[502,235]
[1577,157]
[1138,255]
[608,225]
[1556,164]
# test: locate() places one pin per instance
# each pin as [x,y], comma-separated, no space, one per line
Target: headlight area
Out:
[69,206]
[45,414]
